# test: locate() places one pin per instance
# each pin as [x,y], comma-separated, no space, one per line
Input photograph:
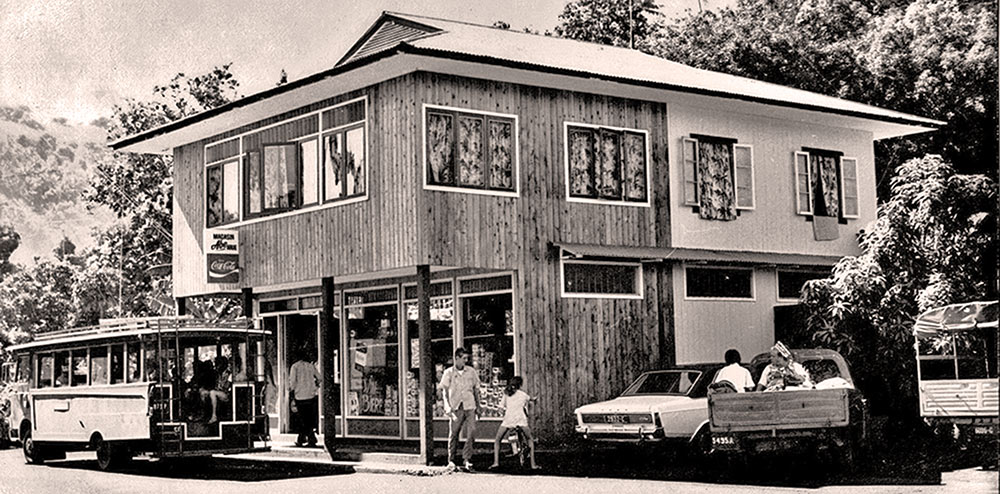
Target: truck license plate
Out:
[984,429]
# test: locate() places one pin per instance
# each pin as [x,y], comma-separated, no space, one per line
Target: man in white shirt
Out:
[460,386]
[303,381]
[734,373]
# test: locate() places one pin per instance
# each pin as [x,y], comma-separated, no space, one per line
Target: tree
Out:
[932,245]
[627,23]
[138,188]
[10,240]
[38,298]
[934,58]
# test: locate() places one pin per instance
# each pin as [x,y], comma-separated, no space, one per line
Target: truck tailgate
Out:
[779,410]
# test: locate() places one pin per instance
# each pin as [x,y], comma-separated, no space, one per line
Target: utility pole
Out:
[631,28]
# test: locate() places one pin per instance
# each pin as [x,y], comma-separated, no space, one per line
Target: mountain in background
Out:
[45,167]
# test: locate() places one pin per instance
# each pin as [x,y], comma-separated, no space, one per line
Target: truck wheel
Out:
[33,453]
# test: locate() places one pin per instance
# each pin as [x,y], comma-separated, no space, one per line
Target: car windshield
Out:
[673,382]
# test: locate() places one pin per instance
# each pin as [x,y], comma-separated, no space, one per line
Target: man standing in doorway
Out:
[304,383]
[460,385]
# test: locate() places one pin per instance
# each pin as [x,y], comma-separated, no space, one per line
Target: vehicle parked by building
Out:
[165,387]
[13,384]
[660,405]
[835,420]
[957,375]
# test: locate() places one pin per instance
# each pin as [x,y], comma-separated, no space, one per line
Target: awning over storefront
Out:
[694,255]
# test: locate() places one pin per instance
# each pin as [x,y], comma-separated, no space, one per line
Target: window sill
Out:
[294,212]
[630,296]
[482,192]
[609,202]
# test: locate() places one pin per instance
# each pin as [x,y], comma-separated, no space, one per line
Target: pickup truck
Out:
[834,419]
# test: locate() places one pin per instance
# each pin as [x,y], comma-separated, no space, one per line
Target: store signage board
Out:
[222,256]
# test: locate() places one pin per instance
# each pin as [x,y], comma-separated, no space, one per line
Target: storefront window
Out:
[373,360]
[270,324]
[442,345]
[488,323]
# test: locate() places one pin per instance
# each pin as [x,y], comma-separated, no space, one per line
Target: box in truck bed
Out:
[805,409]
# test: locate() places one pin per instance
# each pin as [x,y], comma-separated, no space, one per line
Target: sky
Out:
[77,58]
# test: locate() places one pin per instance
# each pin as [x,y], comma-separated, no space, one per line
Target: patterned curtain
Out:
[214,193]
[439,158]
[581,159]
[608,177]
[501,164]
[470,151]
[635,167]
[824,185]
[717,199]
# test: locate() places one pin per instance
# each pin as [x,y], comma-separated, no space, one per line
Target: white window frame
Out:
[317,135]
[841,191]
[516,193]
[843,188]
[753,283]
[637,280]
[696,181]
[799,209]
[608,202]
[753,182]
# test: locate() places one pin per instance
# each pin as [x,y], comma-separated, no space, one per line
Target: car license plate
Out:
[617,419]
[984,429]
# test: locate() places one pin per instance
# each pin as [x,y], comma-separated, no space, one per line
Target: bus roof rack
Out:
[110,326]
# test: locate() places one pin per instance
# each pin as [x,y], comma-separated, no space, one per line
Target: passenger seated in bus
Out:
[783,373]
[220,391]
[827,376]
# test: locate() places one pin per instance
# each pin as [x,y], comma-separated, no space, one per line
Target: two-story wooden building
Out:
[577,213]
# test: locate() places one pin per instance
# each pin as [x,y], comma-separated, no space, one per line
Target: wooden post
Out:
[247,302]
[329,341]
[181,306]
[426,364]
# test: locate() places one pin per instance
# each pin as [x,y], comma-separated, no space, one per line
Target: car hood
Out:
[639,404]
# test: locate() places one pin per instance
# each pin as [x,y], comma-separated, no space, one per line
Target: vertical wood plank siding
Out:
[371,235]
[572,351]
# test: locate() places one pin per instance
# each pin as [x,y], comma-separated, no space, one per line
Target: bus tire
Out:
[109,455]
[33,453]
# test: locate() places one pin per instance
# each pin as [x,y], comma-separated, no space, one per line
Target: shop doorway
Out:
[300,336]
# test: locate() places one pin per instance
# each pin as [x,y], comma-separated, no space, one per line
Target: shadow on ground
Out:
[209,468]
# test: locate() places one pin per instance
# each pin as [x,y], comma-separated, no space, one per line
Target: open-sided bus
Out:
[143,386]
[956,349]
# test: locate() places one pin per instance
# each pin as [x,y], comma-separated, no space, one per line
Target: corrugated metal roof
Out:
[696,255]
[464,42]
[611,61]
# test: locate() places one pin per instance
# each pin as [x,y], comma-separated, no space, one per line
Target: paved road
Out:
[79,474]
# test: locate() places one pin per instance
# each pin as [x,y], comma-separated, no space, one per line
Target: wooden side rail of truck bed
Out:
[780,410]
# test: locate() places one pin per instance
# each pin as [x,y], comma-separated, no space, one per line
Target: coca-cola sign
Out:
[222,256]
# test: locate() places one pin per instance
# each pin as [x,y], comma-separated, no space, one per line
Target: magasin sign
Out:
[222,256]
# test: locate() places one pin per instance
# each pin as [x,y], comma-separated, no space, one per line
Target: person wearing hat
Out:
[460,386]
[783,372]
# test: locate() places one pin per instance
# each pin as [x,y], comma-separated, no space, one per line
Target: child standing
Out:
[514,415]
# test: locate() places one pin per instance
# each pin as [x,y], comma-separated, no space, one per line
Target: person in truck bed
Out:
[827,376]
[783,373]
[734,373]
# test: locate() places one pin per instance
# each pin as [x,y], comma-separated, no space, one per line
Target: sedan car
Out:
[659,405]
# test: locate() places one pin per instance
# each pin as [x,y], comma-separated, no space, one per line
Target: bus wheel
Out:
[33,453]
[109,456]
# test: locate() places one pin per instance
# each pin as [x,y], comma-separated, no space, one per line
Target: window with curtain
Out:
[469,150]
[826,184]
[222,193]
[606,164]
[718,176]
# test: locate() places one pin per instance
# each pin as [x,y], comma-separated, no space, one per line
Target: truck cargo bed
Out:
[734,412]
